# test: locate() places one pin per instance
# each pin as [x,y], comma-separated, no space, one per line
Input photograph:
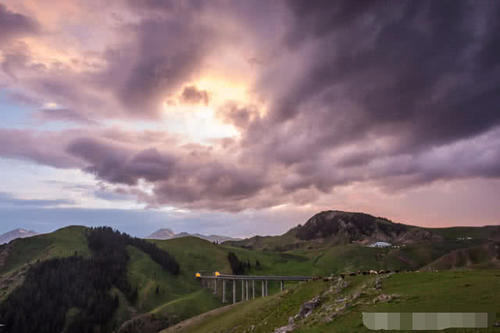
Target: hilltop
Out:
[333,227]
[167,233]
[340,227]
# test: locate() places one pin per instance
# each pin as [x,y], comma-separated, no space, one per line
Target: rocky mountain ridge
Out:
[347,227]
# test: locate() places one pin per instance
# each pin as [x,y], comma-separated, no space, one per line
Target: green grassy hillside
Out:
[340,304]
[175,297]
[491,232]
[61,243]
[480,256]
[17,256]
[159,292]
[164,297]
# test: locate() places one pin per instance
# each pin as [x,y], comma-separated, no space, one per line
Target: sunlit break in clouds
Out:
[244,117]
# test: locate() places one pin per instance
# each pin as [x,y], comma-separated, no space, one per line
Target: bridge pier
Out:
[242,290]
[246,290]
[234,291]
[223,291]
[245,282]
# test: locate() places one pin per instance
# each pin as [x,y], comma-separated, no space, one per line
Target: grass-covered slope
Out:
[489,232]
[159,292]
[486,255]
[164,298]
[61,243]
[196,255]
[17,256]
[80,293]
[340,302]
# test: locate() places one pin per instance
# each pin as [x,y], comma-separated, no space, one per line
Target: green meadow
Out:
[180,297]
[449,291]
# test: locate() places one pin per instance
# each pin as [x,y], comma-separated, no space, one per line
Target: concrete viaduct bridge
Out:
[247,282]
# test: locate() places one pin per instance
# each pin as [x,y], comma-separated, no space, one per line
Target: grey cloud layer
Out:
[189,176]
[424,68]
[382,82]
[14,24]
[398,94]
[7,201]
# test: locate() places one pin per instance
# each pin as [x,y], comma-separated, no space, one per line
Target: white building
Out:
[380,244]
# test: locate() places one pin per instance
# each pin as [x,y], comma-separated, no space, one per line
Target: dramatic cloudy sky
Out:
[244,117]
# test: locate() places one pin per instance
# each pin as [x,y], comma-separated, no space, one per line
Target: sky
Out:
[247,117]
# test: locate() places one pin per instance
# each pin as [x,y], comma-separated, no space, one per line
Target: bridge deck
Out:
[257,277]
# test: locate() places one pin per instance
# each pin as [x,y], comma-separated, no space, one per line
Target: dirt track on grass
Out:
[197,319]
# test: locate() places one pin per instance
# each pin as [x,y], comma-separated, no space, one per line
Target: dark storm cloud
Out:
[421,67]
[380,86]
[238,115]
[215,185]
[391,94]
[120,164]
[187,179]
[165,54]
[193,95]
[14,24]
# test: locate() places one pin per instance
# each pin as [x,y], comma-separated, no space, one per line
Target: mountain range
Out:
[167,233]
[16,233]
